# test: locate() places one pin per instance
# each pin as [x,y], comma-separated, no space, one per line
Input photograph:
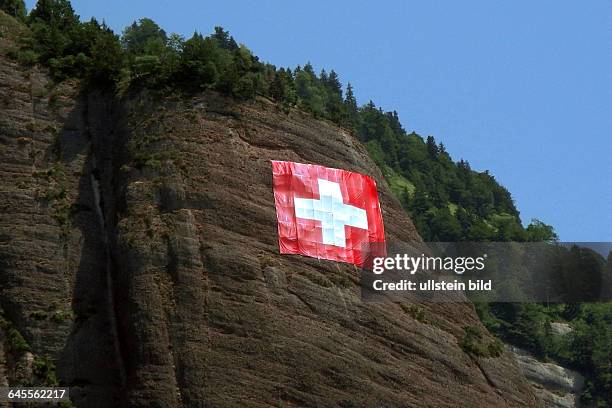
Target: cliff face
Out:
[557,386]
[54,288]
[138,252]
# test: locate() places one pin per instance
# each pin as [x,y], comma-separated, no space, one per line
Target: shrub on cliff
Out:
[14,8]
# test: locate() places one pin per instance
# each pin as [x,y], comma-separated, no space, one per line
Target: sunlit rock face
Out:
[138,253]
[557,386]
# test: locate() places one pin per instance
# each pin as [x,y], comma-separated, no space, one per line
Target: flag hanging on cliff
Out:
[326,213]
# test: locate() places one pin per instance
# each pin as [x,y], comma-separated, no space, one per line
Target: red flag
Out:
[326,213]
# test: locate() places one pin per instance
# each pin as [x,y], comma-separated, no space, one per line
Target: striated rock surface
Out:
[139,264]
[557,386]
[54,295]
[560,329]
[227,320]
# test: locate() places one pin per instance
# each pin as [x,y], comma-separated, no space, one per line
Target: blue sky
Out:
[522,88]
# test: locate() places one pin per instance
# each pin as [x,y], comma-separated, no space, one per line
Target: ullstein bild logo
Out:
[326,213]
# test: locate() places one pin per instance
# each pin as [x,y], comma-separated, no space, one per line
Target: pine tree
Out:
[224,39]
[432,147]
[14,8]
[309,70]
[144,37]
[349,101]
[323,76]
[277,88]
[55,13]
[333,83]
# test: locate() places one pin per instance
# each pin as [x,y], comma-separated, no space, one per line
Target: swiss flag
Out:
[327,213]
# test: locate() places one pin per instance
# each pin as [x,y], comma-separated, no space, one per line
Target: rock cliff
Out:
[139,263]
[557,386]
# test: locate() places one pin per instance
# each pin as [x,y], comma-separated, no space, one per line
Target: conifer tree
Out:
[14,8]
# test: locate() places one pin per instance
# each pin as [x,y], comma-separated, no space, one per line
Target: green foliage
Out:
[14,8]
[38,315]
[537,231]
[415,311]
[57,197]
[44,370]
[148,145]
[105,56]
[224,39]
[586,348]
[589,350]
[27,57]
[402,188]
[54,25]
[150,55]
[68,47]
[144,37]
[60,316]
[14,340]
[475,342]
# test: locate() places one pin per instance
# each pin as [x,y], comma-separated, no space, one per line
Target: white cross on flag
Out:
[326,213]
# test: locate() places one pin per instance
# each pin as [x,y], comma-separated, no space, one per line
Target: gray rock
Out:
[552,400]
[557,386]
[560,329]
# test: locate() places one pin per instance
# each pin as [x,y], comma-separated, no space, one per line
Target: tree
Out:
[54,26]
[224,39]
[310,95]
[277,86]
[333,83]
[56,13]
[171,58]
[282,87]
[323,77]
[445,225]
[14,8]
[508,229]
[350,101]
[309,70]
[606,291]
[197,66]
[537,231]
[432,147]
[106,58]
[332,93]
[144,37]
